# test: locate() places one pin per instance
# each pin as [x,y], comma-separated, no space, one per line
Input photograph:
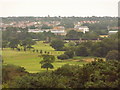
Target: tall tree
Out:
[57,44]
[46,62]
[14,43]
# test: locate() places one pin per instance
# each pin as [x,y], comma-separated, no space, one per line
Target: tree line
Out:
[108,48]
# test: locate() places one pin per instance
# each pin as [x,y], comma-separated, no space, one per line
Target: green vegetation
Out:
[30,60]
[46,62]
[96,74]
[57,44]
[27,56]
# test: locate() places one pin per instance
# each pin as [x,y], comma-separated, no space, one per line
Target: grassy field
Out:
[30,60]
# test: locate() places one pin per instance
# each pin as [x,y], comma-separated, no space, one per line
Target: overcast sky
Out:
[58,7]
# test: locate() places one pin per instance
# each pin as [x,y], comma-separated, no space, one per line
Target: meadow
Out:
[30,60]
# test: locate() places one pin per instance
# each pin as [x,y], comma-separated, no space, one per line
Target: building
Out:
[103,35]
[59,28]
[113,28]
[55,31]
[112,32]
[90,22]
[82,40]
[58,32]
[35,30]
[83,29]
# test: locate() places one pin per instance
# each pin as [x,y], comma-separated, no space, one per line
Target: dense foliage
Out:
[97,74]
[46,62]
[57,44]
[108,48]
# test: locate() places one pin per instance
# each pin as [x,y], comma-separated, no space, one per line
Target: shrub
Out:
[11,71]
[63,56]
[69,53]
[40,80]
[82,51]
[113,55]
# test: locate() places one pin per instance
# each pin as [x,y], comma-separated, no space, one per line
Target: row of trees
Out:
[14,43]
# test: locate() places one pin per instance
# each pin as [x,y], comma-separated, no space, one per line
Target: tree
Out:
[113,55]
[27,43]
[90,35]
[81,51]
[41,51]
[44,26]
[72,34]
[69,53]
[4,44]
[57,44]
[46,62]
[100,52]
[14,43]
[47,65]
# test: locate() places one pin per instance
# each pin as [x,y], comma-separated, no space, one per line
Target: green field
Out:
[30,60]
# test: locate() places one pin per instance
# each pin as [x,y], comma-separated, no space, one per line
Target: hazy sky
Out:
[59,7]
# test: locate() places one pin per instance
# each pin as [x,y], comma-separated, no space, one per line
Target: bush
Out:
[69,53]
[63,56]
[67,70]
[113,55]
[10,72]
[40,80]
[81,51]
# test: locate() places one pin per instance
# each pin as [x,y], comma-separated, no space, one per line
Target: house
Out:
[58,32]
[59,28]
[103,35]
[83,29]
[112,32]
[35,30]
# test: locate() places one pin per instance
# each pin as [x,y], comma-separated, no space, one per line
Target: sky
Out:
[58,8]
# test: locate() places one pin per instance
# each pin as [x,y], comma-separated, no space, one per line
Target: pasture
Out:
[30,60]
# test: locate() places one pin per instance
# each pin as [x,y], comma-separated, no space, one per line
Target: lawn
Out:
[30,60]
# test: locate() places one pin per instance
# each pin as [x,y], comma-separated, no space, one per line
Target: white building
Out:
[35,30]
[55,31]
[83,29]
[112,32]
[58,32]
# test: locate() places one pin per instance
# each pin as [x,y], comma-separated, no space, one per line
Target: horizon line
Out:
[58,16]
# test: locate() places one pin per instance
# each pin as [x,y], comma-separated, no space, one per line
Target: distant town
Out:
[61,25]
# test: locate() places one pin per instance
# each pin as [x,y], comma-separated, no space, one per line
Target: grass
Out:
[30,60]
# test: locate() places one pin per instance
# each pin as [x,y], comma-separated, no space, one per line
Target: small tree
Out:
[27,43]
[14,43]
[46,62]
[4,44]
[41,51]
[47,65]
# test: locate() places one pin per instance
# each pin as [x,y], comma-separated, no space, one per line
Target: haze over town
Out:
[58,8]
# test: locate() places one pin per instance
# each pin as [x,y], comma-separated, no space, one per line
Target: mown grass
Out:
[30,60]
